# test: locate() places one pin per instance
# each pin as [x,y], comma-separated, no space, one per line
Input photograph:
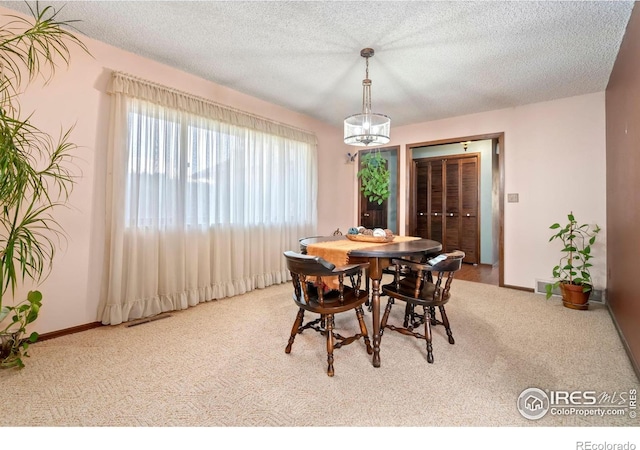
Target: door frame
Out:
[410,211]
[391,148]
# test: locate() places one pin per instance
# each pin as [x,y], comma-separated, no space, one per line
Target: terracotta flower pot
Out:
[573,297]
[8,349]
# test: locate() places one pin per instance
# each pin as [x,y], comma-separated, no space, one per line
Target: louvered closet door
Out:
[469,223]
[435,201]
[447,195]
[452,212]
[422,201]
[429,199]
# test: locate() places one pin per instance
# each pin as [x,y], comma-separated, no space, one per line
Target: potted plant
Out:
[572,274]
[13,346]
[35,177]
[374,177]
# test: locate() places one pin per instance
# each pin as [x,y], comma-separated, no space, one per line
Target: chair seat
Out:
[332,304]
[406,291]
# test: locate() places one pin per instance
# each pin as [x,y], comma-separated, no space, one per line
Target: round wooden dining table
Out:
[379,257]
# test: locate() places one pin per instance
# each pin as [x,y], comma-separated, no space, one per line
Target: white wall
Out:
[77,95]
[541,142]
[554,155]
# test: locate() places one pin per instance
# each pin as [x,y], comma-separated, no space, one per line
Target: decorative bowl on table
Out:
[367,235]
[367,238]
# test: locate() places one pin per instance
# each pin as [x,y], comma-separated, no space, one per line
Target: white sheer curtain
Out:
[202,200]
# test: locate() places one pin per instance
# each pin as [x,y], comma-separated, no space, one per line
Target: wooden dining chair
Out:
[310,294]
[422,285]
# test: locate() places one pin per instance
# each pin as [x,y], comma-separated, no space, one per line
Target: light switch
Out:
[512,198]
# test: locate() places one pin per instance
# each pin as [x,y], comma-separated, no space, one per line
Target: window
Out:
[203,200]
[192,171]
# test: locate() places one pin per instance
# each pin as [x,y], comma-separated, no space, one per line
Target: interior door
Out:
[429,200]
[469,224]
[422,203]
[373,215]
[435,201]
[385,215]
[446,190]
[452,199]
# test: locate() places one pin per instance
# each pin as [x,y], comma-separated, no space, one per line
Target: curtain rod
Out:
[209,101]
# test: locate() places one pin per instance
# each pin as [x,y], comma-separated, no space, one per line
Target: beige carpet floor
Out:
[222,364]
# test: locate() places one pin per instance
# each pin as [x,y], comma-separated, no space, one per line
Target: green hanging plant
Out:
[374,177]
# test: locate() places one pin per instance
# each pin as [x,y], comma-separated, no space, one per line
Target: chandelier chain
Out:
[367,68]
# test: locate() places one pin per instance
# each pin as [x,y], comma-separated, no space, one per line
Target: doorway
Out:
[434,170]
[447,193]
[384,215]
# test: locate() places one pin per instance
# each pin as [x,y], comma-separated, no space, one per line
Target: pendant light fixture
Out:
[366,128]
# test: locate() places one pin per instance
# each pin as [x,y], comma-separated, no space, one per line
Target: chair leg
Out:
[427,334]
[329,319]
[294,330]
[408,315]
[385,316]
[432,313]
[367,288]
[363,329]
[445,321]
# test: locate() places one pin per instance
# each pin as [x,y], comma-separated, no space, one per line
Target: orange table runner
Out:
[337,252]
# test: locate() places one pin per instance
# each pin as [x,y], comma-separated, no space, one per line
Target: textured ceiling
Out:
[432,59]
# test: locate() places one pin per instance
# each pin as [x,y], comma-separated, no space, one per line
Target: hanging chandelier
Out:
[366,128]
